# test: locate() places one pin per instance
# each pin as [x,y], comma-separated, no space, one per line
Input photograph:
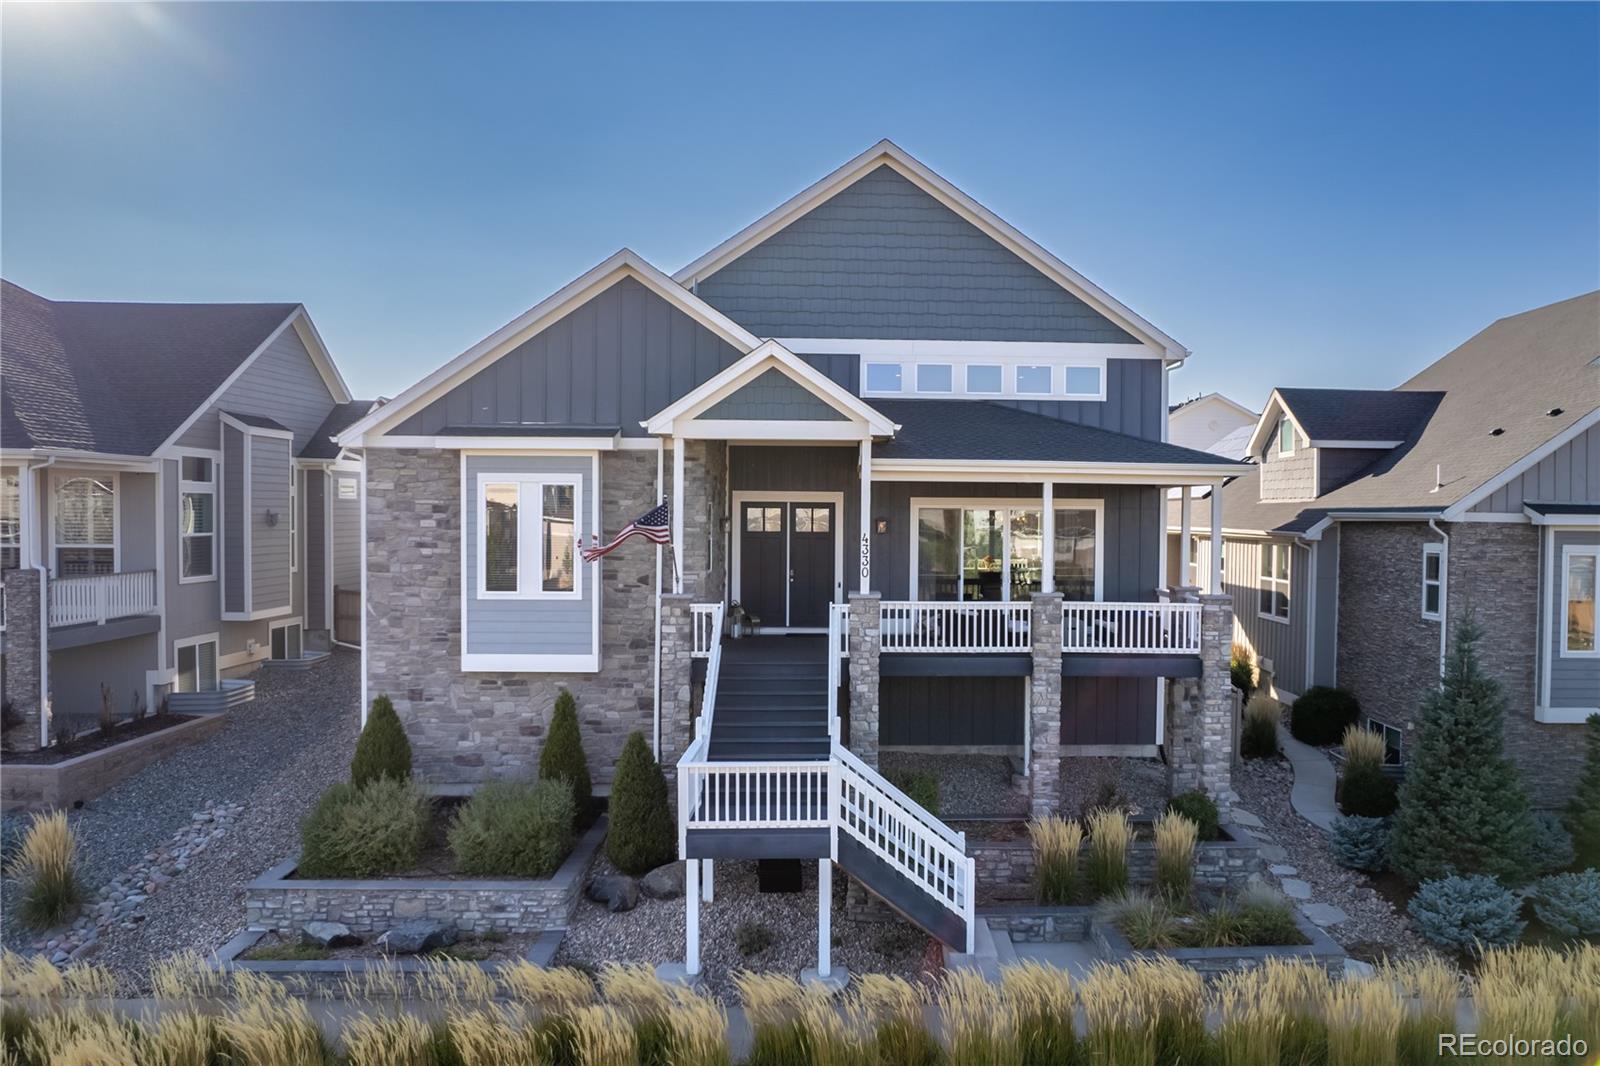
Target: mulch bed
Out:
[95,740]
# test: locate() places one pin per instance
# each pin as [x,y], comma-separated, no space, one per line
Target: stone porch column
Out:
[21,684]
[677,706]
[865,622]
[1200,719]
[1044,704]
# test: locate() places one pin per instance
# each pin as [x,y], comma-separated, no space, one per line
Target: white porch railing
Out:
[1131,628]
[913,626]
[101,597]
[706,619]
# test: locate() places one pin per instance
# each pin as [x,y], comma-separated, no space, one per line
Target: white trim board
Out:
[1002,351]
[787,497]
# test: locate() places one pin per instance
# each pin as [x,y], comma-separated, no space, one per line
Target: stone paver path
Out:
[1312,795]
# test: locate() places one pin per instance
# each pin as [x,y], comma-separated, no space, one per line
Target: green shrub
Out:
[1241,672]
[1462,808]
[562,758]
[1550,847]
[1200,809]
[1360,843]
[1259,738]
[923,788]
[46,866]
[514,829]
[1583,813]
[362,832]
[1366,791]
[382,750]
[641,835]
[752,938]
[1321,716]
[1462,913]
[1568,903]
[1268,918]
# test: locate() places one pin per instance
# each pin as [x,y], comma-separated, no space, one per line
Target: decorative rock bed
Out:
[83,777]
[279,902]
[1229,863]
[1320,949]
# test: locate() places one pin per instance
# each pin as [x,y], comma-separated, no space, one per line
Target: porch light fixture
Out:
[882,525]
[271,518]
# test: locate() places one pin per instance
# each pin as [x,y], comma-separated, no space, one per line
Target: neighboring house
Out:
[173,509]
[879,410]
[1212,423]
[1376,521]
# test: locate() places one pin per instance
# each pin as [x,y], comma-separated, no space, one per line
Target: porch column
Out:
[1044,704]
[866,516]
[1047,536]
[866,620]
[1202,712]
[1185,524]
[23,684]
[677,700]
[677,514]
[1216,539]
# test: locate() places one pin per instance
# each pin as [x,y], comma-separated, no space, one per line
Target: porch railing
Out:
[707,621]
[101,597]
[1131,628]
[915,626]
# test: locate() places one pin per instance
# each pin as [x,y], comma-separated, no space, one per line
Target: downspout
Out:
[1444,589]
[44,605]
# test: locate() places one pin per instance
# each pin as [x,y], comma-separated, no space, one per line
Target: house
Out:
[173,509]
[920,455]
[1212,423]
[1374,522]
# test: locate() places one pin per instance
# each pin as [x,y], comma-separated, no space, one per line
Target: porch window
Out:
[1273,589]
[518,517]
[983,378]
[1432,580]
[811,519]
[1578,566]
[884,377]
[996,554]
[197,519]
[935,377]
[763,519]
[197,667]
[85,525]
[558,538]
[1077,545]
[1033,380]
[10,522]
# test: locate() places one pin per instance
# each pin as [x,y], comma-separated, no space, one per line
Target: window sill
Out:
[1272,618]
[209,579]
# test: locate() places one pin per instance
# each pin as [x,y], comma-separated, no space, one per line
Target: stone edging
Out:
[83,777]
[333,974]
[1322,950]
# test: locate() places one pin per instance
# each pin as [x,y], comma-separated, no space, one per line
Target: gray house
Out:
[173,508]
[1374,521]
[916,455]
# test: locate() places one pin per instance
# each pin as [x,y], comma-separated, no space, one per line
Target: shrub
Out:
[1109,836]
[642,835]
[1462,809]
[1321,715]
[382,750]
[108,717]
[1147,921]
[1362,747]
[1365,790]
[1583,813]
[1241,671]
[515,829]
[362,832]
[1568,903]
[562,758]
[1462,913]
[1259,739]
[1268,917]
[1057,853]
[1200,809]
[1550,847]
[1360,843]
[752,938]
[1175,840]
[923,788]
[46,866]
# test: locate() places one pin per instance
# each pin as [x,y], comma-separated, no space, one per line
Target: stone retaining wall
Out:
[1037,924]
[82,778]
[1220,864]
[280,903]
[1214,962]
[334,978]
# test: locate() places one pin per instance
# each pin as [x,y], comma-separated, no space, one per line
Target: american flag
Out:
[652,526]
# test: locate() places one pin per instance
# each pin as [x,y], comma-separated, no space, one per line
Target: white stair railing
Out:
[706,621]
[929,626]
[101,597]
[1131,628]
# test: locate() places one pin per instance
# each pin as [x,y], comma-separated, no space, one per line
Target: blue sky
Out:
[1302,194]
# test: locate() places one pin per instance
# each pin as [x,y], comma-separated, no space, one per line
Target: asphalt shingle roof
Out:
[1359,414]
[341,418]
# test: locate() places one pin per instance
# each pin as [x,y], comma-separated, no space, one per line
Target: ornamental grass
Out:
[1362,747]
[1109,838]
[46,867]
[1058,860]
[1176,837]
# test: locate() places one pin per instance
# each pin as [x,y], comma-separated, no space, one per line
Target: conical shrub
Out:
[562,758]
[383,750]
[1583,815]
[641,835]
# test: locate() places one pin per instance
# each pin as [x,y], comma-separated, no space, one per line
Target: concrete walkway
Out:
[1314,777]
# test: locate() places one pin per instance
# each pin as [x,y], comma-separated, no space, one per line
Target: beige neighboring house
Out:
[1212,423]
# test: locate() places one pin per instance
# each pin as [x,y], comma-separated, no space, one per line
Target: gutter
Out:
[1444,589]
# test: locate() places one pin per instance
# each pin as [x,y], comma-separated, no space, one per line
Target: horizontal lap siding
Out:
[232,555]
[283,384]
[1570,474]
[269,543]
[1108,710]
[1283,643]
[951,711]
[316,527]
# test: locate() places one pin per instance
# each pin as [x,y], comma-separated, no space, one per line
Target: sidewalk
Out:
[1314,777]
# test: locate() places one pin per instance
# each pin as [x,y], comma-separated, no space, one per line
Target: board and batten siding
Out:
[271,466]
[314,493]
[1574,682]
[951,712]
[614,361]
[283,384]
[1325,631]
[1282,642]
[527,626]
[1570,474]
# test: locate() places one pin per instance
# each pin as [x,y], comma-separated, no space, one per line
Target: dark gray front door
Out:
[763,561]
[786,562]
[810,564]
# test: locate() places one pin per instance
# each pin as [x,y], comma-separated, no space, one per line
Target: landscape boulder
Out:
[418,935]
[617,893]
[664,882]
[328,935]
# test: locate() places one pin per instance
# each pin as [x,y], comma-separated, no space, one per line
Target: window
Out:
[934,377]
[1285,436]
[1077,547]
[997,553]
[1274,587]
[883,377]
[1432,580]
[813,519]
[763,519]
[1083,382]
[1391,740]
[1033,380]
[983,378]
[197,519]
[286,641]
[520,516]
[10,522]
[1578,566]
[197,666]
[85,524]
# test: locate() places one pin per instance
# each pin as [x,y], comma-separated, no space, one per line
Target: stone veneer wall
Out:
[19,682]
[1201,716]
[865,620]
[1228,864]
[1389,654]
[468,727]
[677,684]
[1044,705]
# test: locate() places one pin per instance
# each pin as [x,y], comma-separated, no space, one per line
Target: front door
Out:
[786,564]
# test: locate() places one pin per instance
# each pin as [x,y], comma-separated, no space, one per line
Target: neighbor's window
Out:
[983,378]
[884,377]
[10,522]
[935,377]
[1432,580]
[1577,584]
[1285,437]
[85,524]
[197,667]
[1083,381]
[197,519]
[1391,740]
[1274,587]
[522,516]
[1033,380]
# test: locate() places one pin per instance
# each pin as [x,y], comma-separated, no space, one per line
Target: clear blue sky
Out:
[1310,195]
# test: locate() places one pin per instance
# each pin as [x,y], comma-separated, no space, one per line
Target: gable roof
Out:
[1368,418]
[121,378]
[887,153]
[321,445]
[1211,397]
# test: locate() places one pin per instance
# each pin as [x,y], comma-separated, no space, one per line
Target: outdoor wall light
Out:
[883,525]
[271,518]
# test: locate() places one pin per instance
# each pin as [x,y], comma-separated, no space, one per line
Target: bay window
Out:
[990,553]
[528,537]
[1273,590]
[84,525]
[197,519]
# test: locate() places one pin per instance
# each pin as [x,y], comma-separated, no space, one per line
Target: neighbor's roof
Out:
[321,445]
[1358,414]
[117,378]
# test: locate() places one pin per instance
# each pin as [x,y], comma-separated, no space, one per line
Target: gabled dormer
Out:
[1311,441]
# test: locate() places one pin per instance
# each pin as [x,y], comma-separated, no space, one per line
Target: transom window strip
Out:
[996,554]
[1082,382]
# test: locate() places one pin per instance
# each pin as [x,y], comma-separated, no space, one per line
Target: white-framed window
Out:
[982,551]
[1432,581]
[1273,589]
[285,640]
[528,539]
[197,665]
[84,524]
[1392,741]
[197,519]
[1085,383]
[1081,379]
[935,377]
[1285,436]
[1579,563]
[984,378]
[1034,380]
[885,377]
[10,522]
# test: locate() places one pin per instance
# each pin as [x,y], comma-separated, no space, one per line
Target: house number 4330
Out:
[866,555]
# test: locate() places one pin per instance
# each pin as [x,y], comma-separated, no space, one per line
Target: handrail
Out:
[706,622]
[919,812]
[708,691]
[1131,628]
[931,626]
[834,637]
[100,597]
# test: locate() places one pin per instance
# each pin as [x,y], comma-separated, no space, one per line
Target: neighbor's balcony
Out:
[102,598]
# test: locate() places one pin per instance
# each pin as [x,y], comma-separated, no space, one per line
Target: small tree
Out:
[641,835]
[562,758]
[1583,813]
[1462,807]
[383,750]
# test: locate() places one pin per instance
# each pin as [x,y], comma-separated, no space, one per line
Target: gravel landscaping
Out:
[983,786]
[1137,785]
[272,758]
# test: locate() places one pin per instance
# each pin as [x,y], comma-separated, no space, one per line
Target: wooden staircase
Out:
[772,701]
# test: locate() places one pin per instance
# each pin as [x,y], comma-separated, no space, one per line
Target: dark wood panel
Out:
[1108,710]
[951,711]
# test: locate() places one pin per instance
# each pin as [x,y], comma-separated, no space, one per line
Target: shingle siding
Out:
[773,395]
